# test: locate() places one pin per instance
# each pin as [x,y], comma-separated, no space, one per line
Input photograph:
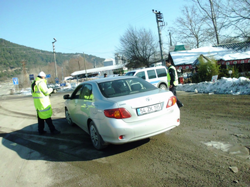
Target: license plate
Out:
[148,109]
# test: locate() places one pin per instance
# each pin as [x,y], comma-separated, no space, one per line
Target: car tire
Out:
[163,87]
[96,139]
[68,118]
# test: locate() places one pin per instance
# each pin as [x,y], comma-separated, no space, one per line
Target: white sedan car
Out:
[122,109]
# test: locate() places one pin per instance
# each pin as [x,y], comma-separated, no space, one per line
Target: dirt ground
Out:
[209,148]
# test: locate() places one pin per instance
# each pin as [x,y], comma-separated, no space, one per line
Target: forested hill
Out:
[11,56]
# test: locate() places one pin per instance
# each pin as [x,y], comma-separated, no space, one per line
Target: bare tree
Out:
[190,28]
[214,18]
[238,12]
[138,46]
[76,64]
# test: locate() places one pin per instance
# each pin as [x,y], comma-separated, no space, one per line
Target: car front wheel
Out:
[95,137]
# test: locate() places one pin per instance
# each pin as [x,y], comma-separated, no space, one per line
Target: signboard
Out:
[233,62]
[214,78]
[48,76]
[31,77]
[184,67]
[15,80]
[63,84]
[179,48]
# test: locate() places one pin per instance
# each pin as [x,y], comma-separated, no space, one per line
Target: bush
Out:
[206,69]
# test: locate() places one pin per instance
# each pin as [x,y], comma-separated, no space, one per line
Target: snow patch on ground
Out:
[218,145]
[234,86]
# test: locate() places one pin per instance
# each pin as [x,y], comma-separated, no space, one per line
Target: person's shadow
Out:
[73,144]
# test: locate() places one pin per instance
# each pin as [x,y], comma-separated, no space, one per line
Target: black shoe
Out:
[42,133]
[181,105]
[56,132]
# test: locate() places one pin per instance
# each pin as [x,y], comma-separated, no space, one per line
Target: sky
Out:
[93,27]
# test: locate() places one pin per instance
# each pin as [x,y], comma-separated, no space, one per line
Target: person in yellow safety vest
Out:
[173,82]
[40,94]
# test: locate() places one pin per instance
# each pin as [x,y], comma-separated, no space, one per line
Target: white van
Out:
[155,75]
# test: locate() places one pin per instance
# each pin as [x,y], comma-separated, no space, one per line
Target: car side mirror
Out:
[66,96]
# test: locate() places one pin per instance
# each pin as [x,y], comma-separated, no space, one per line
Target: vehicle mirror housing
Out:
[66,96]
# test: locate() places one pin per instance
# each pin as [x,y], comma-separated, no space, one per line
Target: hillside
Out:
[11,56]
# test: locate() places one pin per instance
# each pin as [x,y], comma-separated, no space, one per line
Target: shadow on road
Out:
[73,144]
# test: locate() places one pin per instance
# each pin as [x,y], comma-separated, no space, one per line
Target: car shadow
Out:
[73,144]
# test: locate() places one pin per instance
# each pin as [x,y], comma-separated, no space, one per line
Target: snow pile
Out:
[233,86]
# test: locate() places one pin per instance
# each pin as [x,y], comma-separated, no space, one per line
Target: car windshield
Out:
[130,73]
[124,87]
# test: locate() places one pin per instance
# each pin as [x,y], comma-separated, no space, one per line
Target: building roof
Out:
[109,59]
[219,53]
[95,70]
[235,46]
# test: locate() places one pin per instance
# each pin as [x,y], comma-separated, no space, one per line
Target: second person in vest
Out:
[173,80]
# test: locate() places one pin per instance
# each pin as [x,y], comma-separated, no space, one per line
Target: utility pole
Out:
[160,23]
[170,39]
[79,65]
[62,75]
[24,77]
[53,44]
[86,75]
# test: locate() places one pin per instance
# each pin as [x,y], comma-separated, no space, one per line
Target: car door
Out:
[72,106]
[84,106]
[162,75]
[141,75]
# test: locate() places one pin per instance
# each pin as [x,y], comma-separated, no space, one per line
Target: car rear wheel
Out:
[96,139]
[68,118]
[163,87]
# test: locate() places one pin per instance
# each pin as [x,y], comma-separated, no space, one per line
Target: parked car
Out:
[154,75]
[54,86]
[121,109]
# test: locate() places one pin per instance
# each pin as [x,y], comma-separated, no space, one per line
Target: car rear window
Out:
[123,87]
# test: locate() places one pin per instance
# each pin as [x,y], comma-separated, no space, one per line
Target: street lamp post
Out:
[53,44]
[86,74]
[159,19]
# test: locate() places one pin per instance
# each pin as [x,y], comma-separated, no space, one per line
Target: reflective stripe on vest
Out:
[40,97]
[45,109]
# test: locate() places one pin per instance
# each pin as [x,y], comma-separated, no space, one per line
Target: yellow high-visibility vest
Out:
[176,82]
[41,99]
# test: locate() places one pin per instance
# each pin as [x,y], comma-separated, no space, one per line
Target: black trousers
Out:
[173,90]
[41,124]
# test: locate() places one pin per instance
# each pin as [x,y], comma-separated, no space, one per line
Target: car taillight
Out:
[118,113]
[172,100]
